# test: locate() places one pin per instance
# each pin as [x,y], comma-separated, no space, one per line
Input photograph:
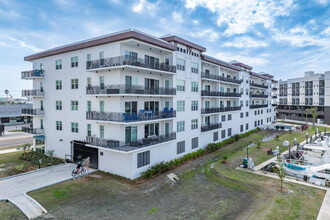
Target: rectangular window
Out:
[215,136]
[101,82]
[58,84]
[130,134]
[247,126]
[180,126]
[101,131]
[89,130]
[58,64]
[59,125]
[247,103]
[246,114]
[74,61]
[151,130]
[194,142]
[194,105]
[143,159]
[89,82]
[180,85]
[229,132]
[58,105]
[229,117]
[89,57]
[194,67]
[194,86]
[180,64]
[74,83]
[242,128]
[180,106]
[74,127]
[223,134]
[194,124]
[242,114]
[102,106]
[223,118]
[101,55]
[180,147]
[74,105]
[89,106]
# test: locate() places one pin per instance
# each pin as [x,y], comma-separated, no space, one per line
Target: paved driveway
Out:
[15,188]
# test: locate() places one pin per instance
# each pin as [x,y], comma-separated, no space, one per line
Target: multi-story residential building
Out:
[129,100]
[298,94]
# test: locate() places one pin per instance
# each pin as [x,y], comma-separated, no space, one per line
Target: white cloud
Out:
[195,21]
[326,31]
[4,44]
[207,34]
[322,2]
[243,58]
[244,42]
[143,6]
[177,16]
[25,45]
[241,16]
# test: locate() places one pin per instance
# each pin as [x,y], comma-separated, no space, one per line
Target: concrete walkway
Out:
[8,151]
[15,188]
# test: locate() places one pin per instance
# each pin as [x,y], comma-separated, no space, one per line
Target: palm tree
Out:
[7,92]
[313,112]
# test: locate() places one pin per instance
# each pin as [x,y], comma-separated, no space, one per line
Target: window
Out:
[223,134]
[246,114]
[143,159]
[101,55]
[41,66]
[247,103]
[74,105]
[215,136]
[180,126]
[229,132]
[130,134]
[180,85]
[194,142]
[194,124]
[194,105]
[89,57]
[58,105]
[101,131]
[42,123]
[180,106]
[247,126]
[151,130]
[207,104]
[194,67]
[229,117]
[89,82]
[241,103]
[242,114]
[180,147]
[89,130]
[74,83]
[74,61]
[58,64]
[194,86]
[223,118]
[58,84]
[59,125]
[74,127]
[89,106]
[102,106]
[101,82]
[242,128]
[180,64]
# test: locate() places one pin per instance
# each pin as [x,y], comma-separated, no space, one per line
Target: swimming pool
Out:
[283,127]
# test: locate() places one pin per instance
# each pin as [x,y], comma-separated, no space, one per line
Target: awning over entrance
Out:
[40,137]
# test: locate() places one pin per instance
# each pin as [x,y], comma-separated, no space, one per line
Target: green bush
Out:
[34,157]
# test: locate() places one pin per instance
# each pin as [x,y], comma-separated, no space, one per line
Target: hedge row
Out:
[163,167]
[34,157]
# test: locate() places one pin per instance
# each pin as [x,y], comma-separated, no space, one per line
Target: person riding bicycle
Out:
[78,166]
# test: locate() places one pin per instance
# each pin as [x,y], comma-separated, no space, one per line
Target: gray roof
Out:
[12,110]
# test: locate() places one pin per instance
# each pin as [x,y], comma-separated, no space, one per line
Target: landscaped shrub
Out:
[162,167]
[34,157]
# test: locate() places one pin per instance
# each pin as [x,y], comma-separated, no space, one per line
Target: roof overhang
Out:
[184,42]
[219,62]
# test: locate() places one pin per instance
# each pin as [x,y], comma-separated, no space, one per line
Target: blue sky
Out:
[281,37]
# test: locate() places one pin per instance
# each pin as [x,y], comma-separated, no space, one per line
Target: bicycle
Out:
[81,171]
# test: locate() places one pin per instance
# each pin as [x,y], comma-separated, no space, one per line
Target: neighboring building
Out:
[11,114]
[298,94]
[129,100]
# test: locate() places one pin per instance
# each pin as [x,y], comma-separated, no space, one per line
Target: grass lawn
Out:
[11,160]
[9,211]
[208,189]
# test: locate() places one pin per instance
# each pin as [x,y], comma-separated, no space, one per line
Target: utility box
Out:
[286,143]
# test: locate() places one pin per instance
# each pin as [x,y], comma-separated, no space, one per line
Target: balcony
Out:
[124,89]
[32,74]
[220,78]
[274,104]
[31,111]
[220,109]
[129,118]
[221,94]
[258,85]
[133,145]
[122,61]
[274,88]
[33,130]
[258,96]
[258,106]
[33,93]
[210,127]
[274,96]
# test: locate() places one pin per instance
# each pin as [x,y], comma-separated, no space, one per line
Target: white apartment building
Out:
[298,94]
[129,100]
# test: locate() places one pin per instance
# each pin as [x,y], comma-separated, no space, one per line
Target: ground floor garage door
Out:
[79,149]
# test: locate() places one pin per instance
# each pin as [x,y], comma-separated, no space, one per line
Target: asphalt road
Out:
[15,141]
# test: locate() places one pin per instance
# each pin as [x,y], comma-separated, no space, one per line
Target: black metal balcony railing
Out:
[258,85]
[122,146]
[125,117]
[33,130]
[129,61]
[258,96]
[274,96]
[210,127]
[224,94]
[258,106]
[220,109]
[274,104]
[274,88]
[220,78]
[32,93]
[30,111]
[124,89]
[32,74]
